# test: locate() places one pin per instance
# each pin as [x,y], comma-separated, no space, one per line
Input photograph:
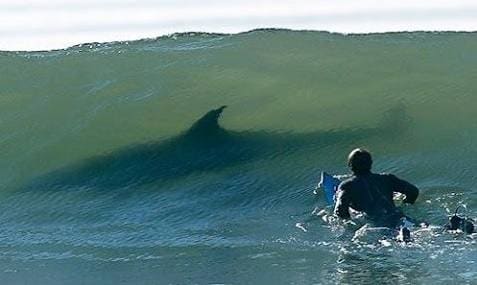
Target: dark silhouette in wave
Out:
[205,146]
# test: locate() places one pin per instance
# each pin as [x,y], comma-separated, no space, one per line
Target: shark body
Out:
[204,147]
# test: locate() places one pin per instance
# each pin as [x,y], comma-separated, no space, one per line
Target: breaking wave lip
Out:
[95,46]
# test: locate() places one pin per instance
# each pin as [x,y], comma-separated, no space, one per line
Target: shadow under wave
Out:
[204,147]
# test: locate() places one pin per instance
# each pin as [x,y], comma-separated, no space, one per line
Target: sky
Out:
[54,24]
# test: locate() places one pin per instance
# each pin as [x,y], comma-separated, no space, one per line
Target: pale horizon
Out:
[46,25]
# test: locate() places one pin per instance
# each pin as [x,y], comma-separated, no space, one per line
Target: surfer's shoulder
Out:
[347,183]
[389,178]
[387,175]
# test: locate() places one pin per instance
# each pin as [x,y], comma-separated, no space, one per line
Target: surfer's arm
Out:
[342,203]
[405,188]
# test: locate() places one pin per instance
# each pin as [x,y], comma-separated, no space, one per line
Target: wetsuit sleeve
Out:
[342,202]
[405,188]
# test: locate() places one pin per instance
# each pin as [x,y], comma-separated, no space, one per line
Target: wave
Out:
[103,97]
[143,119]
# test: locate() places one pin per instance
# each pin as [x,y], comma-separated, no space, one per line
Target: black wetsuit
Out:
[373,194]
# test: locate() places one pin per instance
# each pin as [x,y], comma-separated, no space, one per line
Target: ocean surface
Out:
[119,166]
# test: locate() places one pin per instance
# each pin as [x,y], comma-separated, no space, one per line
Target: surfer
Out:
[372,193]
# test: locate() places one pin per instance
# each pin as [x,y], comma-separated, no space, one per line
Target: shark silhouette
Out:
[205,146]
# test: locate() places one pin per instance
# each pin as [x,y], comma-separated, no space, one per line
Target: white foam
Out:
[51,24]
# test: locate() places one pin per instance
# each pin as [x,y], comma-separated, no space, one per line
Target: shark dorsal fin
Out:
[208,124]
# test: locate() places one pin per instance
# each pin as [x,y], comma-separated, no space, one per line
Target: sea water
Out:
[298,102]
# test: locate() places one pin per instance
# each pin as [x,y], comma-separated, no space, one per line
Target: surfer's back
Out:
[373,194]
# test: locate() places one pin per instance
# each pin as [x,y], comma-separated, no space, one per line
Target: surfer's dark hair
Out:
[360,161]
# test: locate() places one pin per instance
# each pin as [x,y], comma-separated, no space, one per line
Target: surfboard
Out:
[329,185]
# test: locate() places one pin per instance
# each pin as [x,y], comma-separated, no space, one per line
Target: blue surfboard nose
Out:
[329,184]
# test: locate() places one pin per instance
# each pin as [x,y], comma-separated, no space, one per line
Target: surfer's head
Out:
[360,161]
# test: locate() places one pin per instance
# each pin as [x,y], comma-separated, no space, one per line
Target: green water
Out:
[298,102]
